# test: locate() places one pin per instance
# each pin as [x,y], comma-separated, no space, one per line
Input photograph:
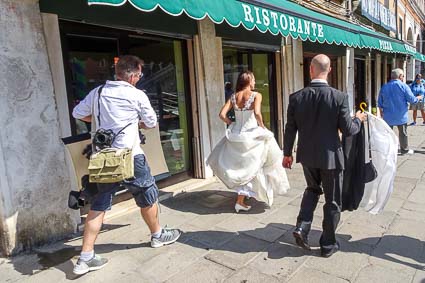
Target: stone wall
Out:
[34,178]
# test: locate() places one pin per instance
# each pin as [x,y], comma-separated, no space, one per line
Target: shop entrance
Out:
[262,64]
[360,82]
[90,53]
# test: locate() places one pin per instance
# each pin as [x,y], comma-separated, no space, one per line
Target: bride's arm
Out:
[257,109]
[223,112]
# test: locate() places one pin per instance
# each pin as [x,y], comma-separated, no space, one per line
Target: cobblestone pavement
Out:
[221,246]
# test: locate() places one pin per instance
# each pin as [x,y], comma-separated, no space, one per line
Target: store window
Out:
[91,63]
[91,59]
[164,82]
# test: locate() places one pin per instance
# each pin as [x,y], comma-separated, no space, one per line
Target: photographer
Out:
[122,109]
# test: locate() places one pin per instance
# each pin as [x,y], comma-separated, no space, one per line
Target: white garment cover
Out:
[249,153]
[384,145]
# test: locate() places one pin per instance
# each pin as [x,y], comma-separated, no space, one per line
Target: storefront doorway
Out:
[262,64]
[374,95]
[360,82]
[89,56]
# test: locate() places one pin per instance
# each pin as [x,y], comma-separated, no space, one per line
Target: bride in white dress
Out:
[248,158]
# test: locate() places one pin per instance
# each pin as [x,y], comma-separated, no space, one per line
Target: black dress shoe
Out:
[325,252]
[301,238]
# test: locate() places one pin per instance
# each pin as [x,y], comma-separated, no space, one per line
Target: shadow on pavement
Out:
[211,202]
[397,249]
[394,248]
[420,151]
[60,258]
[274,238]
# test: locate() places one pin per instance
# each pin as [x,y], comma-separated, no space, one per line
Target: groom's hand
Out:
[287,162]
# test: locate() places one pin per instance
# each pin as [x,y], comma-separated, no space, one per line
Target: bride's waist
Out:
[248,125]
[248,131]
[239,129]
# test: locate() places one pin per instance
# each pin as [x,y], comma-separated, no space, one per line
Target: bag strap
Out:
[99,92]
[93,120]
[120,131]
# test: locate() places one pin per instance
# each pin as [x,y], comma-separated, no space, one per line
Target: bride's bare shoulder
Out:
[257,96]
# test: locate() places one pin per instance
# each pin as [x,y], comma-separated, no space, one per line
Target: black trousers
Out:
[329,183]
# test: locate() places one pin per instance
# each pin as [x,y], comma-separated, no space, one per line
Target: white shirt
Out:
[120,104]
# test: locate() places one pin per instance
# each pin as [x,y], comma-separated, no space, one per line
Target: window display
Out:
[91,58]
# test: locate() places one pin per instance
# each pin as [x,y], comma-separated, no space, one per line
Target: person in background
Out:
[392,103]
[422,80]
[418,89]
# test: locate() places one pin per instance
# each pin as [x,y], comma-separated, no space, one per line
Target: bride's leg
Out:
[241,200]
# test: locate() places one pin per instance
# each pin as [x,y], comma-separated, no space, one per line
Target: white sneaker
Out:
[96,263]
[168,236]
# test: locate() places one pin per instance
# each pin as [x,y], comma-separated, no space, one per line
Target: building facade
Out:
[54,52]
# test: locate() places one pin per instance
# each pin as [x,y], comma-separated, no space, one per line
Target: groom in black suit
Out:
[317,112]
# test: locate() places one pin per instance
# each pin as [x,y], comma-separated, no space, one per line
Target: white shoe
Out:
[239,207]
[96,263]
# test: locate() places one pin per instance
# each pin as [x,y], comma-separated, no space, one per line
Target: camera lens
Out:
[100,138]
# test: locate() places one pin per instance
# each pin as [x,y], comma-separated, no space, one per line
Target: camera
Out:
[103,138]
[142,137]
[78,199]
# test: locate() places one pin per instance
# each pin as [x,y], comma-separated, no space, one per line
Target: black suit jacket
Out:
[316,113]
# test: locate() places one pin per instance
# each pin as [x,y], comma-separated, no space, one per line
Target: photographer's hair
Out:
[396,73]
[127,65]
[244,79]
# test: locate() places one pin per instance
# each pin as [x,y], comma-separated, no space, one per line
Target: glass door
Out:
[262,64]
[164,82]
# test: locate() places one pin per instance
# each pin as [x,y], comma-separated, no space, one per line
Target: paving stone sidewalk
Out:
[221,246]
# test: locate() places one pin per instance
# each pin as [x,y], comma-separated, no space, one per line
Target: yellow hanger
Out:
[363,106]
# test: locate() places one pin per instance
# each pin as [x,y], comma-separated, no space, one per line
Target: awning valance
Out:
[420,57]
[274,16]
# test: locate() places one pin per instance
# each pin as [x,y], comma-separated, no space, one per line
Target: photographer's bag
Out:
[109,165]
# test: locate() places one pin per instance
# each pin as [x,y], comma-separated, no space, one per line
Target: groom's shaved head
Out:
[320,67]
[321,63]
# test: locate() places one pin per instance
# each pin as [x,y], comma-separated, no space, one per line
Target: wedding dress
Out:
[248,158]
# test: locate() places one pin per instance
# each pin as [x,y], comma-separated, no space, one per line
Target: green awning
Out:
[274,16]
[420,57]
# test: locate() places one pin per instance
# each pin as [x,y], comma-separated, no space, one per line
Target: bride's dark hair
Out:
[244,79]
